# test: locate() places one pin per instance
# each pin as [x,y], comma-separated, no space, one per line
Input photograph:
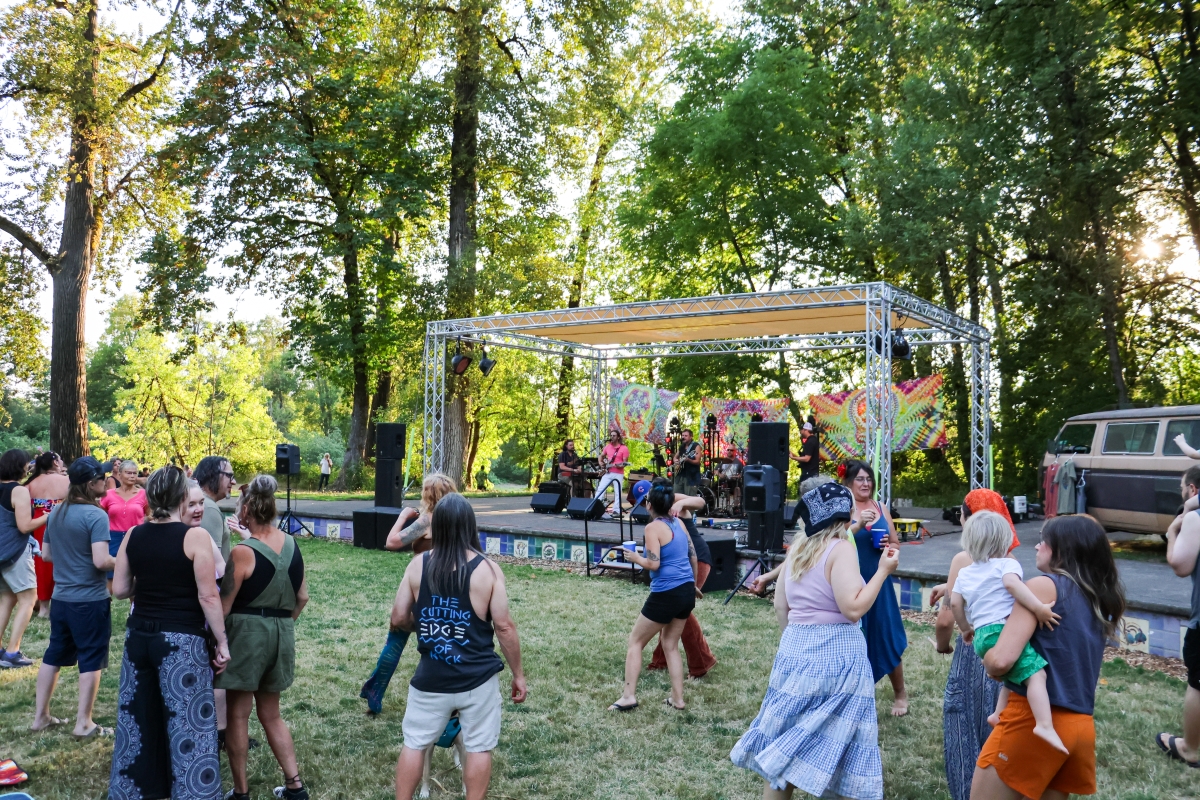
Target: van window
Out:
[1130,437]
[1190,428]
[1076,438]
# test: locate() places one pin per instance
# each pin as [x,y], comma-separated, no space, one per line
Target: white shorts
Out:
[427,713]
[19,576]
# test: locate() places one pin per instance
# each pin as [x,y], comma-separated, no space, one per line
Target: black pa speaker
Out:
[724,574]
[287,459]
[364,530]
[769,445]
[548,502]
[585,508]
[389,440]
[389,477]
[791,516]
[761,492]
[552,487]
[640,514]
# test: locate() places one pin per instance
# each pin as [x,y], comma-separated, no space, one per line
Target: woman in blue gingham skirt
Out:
[817,729]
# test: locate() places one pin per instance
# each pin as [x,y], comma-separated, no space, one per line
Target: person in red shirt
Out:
[613,458]
[126,508]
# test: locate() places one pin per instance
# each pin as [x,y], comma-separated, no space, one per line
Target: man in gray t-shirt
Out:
[215,476]
[76,543]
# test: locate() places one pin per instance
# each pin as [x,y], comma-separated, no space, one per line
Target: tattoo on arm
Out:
[691,549]
[415,531]
[651,555]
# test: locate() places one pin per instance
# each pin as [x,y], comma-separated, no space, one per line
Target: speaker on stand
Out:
[389,464]
[769,447]
[287,463]
[763,499]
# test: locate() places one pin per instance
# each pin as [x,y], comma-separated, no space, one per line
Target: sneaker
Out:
[232,795]
[14,660]
[285,793]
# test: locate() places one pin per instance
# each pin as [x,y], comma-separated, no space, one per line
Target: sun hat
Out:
[828,504]
[84,470]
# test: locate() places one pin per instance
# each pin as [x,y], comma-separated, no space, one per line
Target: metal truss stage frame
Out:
[861,316]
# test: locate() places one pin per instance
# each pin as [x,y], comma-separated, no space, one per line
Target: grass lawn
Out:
[562,743]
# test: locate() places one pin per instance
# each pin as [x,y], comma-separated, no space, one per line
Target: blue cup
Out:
[879,536]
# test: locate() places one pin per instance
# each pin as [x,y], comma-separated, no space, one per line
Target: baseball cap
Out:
[84,470]
[808,426]
[640,490]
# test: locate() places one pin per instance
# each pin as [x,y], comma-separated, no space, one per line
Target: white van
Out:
[1130,463]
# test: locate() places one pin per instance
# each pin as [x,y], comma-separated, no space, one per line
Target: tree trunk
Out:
[1110,312]
[958,381]
[383,394]
[473,450]
[360,403]
[71,274]
[464,190]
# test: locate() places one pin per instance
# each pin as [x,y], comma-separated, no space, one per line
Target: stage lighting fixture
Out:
[459,364]
[486,363]
[901,349]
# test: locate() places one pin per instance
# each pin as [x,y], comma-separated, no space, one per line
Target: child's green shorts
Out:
[1029,662]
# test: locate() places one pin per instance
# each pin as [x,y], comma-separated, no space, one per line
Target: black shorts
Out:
[1191,656]
[79,632]
[677,603]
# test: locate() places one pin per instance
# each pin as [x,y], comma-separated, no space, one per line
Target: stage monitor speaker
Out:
[724,574]
[640,514]
[389,486]
[389,440]
[364,529]
[769,445]
[585,508]
[761,492]
[548,502]
[287,459]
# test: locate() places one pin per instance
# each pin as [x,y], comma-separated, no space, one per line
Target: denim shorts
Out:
[79,632]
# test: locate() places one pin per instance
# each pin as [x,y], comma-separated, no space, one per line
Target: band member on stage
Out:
[731,474]
[613,458]
[810,453]
[570,471]
[687,472]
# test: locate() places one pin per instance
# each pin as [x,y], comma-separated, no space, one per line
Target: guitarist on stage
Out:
[613,459]
[687,470]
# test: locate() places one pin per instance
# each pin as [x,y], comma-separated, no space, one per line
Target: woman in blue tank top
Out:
[672,563]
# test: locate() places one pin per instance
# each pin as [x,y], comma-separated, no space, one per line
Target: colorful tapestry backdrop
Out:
[639,412]
[920,421]
[733,417]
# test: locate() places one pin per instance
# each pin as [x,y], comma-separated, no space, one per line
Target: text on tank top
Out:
[810,599]
[164,577]
[457,646]
[674,566]
[1073,651]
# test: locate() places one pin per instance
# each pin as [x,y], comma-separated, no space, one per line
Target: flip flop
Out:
[53,723]
[619,707]
[95,732]
[667,702]
[1171,748]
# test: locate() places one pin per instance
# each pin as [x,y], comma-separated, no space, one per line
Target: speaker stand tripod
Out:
[285,521]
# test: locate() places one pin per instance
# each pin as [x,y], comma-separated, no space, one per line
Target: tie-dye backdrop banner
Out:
[919,424]
[733,417]
[639,412]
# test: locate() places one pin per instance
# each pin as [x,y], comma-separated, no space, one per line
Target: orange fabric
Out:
[699,657]
[1027,764]
[987,500]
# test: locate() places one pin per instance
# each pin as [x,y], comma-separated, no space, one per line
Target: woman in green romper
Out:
[263,594]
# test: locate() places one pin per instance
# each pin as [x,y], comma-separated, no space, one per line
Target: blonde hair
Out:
[435,486]
[986,535]
[258,500]
[803,556]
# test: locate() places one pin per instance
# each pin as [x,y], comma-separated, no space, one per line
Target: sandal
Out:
[1171,748]
[619,707]
[96,732]
[53,723]
[667,701]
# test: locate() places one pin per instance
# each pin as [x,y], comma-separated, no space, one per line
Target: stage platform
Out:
[1158,600]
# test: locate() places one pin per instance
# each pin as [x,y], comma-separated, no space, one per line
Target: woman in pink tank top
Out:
[817,729]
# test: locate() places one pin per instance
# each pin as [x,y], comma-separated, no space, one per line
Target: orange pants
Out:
[1027,764]
[699,657]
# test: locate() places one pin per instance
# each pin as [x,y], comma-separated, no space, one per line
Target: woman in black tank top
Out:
[165,702]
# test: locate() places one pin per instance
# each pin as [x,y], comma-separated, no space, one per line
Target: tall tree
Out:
[69,72]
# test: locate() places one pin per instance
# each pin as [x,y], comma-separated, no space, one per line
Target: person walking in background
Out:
[263,593]
[459,674]
[18,578]
[817,729]
[326,471]
[1183,554]
[166,743]
[700,658]
[671,560]
[970,694]
[125,506]
[882,625]
[411,529]
[47,485]
[76,543]
[1080,580]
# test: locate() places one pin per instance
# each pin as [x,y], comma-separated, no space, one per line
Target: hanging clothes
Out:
[1081,493]
[1067,477]
[1050,491]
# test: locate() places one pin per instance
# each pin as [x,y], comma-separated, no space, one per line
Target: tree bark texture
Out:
[464,192]
[958,381]
[360,405]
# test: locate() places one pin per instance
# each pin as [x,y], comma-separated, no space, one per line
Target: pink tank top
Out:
[810,599]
